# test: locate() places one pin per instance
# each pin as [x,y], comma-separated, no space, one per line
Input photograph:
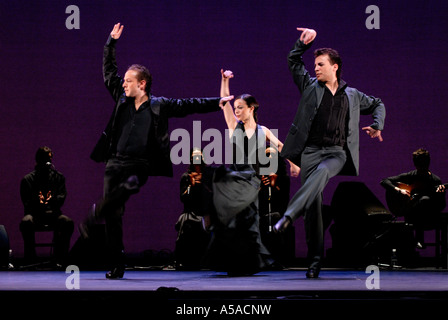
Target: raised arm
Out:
[296,65]
[229,116]
[111,78]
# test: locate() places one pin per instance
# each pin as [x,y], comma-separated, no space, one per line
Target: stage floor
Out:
[284,281]
[189,293]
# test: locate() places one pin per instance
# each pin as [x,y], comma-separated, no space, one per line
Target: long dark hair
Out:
[251,102]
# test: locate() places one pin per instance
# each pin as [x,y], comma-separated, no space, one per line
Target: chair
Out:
[444,239]
[35,260]
[4,248]
[439,225]
[49,244]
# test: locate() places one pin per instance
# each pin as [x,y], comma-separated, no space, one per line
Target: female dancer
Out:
[236,245]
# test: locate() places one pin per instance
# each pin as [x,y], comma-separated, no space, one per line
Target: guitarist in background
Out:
[418,195]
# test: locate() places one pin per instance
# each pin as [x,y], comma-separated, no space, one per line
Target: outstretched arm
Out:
[229,116]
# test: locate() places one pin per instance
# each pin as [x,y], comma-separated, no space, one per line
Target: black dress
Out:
[236,245]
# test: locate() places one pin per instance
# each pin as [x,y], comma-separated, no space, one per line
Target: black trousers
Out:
[123,177]
[422,213]
[63,229]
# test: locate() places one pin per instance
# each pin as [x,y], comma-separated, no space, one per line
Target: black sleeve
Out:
[111,78]
[182,107]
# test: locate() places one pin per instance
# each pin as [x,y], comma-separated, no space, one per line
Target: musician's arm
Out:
[388,183]
[391,183]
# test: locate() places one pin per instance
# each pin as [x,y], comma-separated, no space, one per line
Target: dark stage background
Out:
[52,91]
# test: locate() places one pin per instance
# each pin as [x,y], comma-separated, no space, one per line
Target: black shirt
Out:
[328,127]
[134,126]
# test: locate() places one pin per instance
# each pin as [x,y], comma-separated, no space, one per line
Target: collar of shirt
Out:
[131,101]
[143,106]
[341,85]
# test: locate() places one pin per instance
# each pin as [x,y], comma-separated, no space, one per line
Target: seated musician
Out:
[418,195]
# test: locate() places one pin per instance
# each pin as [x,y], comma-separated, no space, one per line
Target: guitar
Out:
[398,202]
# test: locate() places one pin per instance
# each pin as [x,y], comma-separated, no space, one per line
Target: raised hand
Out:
[308,35]
[226,74]
[116,31]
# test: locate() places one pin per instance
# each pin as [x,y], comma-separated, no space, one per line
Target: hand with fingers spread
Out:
[308,35]
[116,31]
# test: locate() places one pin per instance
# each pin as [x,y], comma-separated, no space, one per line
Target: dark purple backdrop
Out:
[52,91]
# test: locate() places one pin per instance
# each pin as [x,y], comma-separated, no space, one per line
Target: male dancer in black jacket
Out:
[135,144]
[324,137]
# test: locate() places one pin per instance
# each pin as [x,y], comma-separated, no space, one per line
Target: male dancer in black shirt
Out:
[324,137]
[135,144]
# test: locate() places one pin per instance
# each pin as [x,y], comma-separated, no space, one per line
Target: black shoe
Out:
[313,272]
[116,273]
[282,224]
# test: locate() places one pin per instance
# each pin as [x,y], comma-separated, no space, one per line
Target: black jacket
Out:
[312,92]
[43,181]
[161,110]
